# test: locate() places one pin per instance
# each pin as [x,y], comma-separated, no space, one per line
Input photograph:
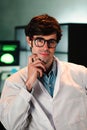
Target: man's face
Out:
[45,53]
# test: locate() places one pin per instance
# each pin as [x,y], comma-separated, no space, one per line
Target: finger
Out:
[39,72]
[31,58]
[39,64]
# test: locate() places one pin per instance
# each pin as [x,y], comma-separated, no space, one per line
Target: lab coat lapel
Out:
[57,83]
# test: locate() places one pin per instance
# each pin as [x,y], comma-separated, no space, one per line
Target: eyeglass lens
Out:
[39,42]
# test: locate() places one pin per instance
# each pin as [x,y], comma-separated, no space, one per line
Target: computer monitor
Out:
[9,53]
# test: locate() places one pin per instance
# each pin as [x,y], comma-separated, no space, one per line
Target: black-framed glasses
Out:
[40,42]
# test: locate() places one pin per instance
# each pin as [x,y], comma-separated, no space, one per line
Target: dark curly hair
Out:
[43,25]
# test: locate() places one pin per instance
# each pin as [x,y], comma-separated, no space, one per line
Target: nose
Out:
[46,45]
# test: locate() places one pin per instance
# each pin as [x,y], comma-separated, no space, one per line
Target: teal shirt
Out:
[48,80]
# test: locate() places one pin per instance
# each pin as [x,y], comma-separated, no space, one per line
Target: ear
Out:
[28,40]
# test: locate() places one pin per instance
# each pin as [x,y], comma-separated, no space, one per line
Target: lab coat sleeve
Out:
[14,107]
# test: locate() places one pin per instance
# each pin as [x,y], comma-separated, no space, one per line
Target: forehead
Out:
[52,36]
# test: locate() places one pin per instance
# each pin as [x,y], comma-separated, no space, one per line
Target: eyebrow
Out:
[45,39]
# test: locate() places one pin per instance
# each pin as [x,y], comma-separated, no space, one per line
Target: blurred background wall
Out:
[19,12]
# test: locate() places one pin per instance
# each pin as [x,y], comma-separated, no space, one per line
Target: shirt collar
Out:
[54,68]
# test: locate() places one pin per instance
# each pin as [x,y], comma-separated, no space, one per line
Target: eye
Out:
[52,41]
[40,40]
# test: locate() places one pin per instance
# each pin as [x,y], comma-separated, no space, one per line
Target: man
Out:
[48,94]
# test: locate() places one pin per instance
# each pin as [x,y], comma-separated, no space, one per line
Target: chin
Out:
[44,60]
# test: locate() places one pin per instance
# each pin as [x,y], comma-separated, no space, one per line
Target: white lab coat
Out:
[66,110]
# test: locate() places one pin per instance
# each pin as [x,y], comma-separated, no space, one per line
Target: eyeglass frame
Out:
[45,41]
